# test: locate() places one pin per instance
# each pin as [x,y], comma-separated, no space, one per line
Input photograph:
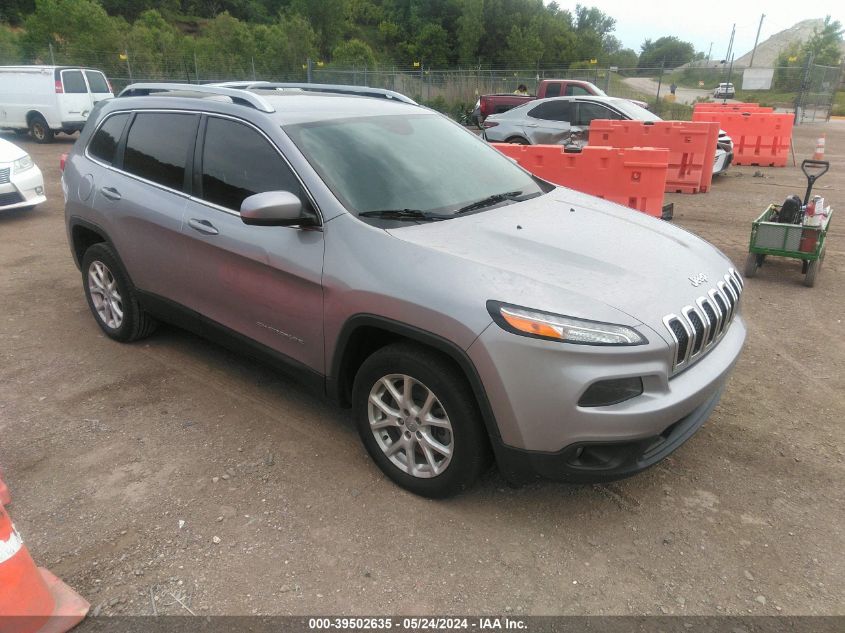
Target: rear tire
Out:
[111,297]
[810,276]
[39,129]
[517,140]
[419,420]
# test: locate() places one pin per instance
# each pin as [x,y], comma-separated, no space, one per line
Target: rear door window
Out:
[588,111]
[104,144]
[97,81]
[73,82]
[238,162]
[553,111]
[158,147]
[553,90]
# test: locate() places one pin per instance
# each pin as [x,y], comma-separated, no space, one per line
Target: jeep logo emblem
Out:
[699,279]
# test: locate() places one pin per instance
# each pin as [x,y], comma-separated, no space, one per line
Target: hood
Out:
[570,253]
[10,152]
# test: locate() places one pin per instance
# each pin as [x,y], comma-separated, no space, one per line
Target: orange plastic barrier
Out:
[760,138]
[692,147]
[634,177]
[731,107]
[31,598]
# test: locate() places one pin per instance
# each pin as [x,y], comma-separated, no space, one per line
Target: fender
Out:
[335,383]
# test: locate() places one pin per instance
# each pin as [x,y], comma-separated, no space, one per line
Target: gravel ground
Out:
[171,476]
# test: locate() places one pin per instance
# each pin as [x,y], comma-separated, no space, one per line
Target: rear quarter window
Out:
[158,146]
[103,145]
[97,81]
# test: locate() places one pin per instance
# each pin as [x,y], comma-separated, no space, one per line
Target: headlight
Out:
[22,164]
[556,327]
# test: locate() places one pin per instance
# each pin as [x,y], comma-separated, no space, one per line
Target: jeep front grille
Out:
[699,327]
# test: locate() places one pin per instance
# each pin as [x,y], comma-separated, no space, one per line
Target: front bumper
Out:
[25,189]
[534,386]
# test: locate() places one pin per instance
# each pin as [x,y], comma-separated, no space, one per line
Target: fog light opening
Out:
[39,190]
[606,392]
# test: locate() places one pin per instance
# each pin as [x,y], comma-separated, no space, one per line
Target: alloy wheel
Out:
[410,425]
[105,296]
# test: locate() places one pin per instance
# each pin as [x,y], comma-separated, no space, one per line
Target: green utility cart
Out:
[770,235]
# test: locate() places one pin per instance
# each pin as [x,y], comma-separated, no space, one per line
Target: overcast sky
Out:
[704,22]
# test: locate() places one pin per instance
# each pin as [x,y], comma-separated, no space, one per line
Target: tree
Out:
[524,47]
[327,18]
[282,48]
[470,30]
[824,47]
[825,44]
[80,31]
[669,52]
[432,45]
[354,53]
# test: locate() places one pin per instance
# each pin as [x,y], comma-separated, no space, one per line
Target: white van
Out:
[49,99]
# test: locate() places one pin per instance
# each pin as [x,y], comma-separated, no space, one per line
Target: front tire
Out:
[517,140]
[419,420]
[752,263]
[112,298]
[39,129]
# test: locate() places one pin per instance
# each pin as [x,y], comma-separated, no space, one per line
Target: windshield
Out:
[421,162]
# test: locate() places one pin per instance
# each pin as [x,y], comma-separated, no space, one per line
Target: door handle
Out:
[110,192]
[203,226]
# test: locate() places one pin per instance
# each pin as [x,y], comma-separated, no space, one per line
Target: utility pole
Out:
[709,50]
[730,46]
[731,43]
[659,83]
[52,56]
[128,67]
[756,39]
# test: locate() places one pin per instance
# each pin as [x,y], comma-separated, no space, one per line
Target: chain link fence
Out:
[809,91]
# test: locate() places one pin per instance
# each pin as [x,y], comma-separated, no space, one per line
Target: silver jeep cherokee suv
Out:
[462,307]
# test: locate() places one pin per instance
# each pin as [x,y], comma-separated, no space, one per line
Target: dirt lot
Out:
[126,461]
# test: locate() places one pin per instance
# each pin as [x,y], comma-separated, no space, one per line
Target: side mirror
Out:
[275,208]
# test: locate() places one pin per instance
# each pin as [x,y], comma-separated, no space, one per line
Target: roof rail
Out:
[240,97]
[361,91]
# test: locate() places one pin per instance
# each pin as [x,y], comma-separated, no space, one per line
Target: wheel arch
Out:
[83,235]
[32,114]
[363,334]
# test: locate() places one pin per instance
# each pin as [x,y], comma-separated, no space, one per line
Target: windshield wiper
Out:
[402,214]
[489,201]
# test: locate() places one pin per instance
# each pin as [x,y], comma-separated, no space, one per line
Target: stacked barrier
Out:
[731,107]
[634,177]
[692,147]
[760,138]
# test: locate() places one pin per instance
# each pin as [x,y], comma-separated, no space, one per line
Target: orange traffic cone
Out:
[5,497]
[819,153]
[32,599]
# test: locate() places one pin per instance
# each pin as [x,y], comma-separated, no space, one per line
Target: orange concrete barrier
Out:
[692,147]
[634,177]
[32,600]
[731,107]
[760,138]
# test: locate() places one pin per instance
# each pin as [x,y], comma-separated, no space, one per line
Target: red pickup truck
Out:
[496,103]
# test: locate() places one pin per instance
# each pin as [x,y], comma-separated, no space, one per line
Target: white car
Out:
[21,182]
